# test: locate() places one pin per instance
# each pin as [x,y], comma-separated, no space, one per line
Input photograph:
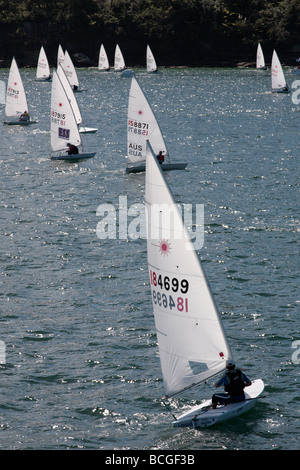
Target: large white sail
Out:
[277,76]
[43,69]
[191,339]
[119,63]
[70,71]
[64,127]
[150,61]
[16,102]
[68,89]
[141,126]
[260,60]
[103,63]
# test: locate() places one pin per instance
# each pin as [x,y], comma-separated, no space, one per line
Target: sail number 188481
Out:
[173,287]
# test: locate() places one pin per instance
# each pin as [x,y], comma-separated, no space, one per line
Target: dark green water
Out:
[82,368]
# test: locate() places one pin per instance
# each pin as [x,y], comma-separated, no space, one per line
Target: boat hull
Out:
[19,123]
[203,416]
[73,158]
[164,167]
[87,130]
[280,90]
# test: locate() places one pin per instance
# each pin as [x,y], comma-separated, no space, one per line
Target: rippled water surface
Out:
[82,368]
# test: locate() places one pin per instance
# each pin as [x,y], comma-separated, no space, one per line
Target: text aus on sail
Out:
[129,222]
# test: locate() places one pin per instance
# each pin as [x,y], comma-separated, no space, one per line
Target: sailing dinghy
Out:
[16,107]
[63,127]
[278,81]
[260,60]
[192,342]
[119,63]
[68,89]
[43,70]
[70,72]
[60,56]
[150,61]
[142,126]
[103,63]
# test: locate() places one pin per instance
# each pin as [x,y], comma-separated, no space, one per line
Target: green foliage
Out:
[200,30]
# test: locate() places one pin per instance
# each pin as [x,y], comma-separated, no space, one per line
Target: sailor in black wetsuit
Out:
[234,381]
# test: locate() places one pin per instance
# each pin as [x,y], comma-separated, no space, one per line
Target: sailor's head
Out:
[230,365]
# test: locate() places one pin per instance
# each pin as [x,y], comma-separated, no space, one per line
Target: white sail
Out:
[119,63]
[277,76]
[150,61]
[43,69]
[68,89]
[103,63]
[60,56]
[191,339]
[70,71]
[16,102]
[141,126]
[64,127]
[260,60]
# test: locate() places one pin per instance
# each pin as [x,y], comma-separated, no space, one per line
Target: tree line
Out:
[179,32]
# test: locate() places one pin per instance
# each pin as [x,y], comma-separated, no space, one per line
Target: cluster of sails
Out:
[192,341]
[278,82]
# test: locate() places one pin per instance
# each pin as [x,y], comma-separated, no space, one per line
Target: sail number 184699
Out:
[171,287]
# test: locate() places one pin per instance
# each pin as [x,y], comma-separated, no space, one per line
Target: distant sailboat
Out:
[103,63]
[60,56]
[142,126]
[43,69]
[150,61]
[68,89]
[260,60]
[193,345]
[63,126]
[119,63]
[16,107]
[278,81]
[70,72]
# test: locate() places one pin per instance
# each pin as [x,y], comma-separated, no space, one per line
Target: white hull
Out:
[19,123]
[165,167]
[74,158]
[203,415]
[87,130]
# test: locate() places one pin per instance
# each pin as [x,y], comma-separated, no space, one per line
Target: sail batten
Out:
[191,338]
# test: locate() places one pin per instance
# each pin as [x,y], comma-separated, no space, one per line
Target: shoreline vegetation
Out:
[187,33]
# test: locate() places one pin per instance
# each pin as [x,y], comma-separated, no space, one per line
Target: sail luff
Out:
[192,343]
